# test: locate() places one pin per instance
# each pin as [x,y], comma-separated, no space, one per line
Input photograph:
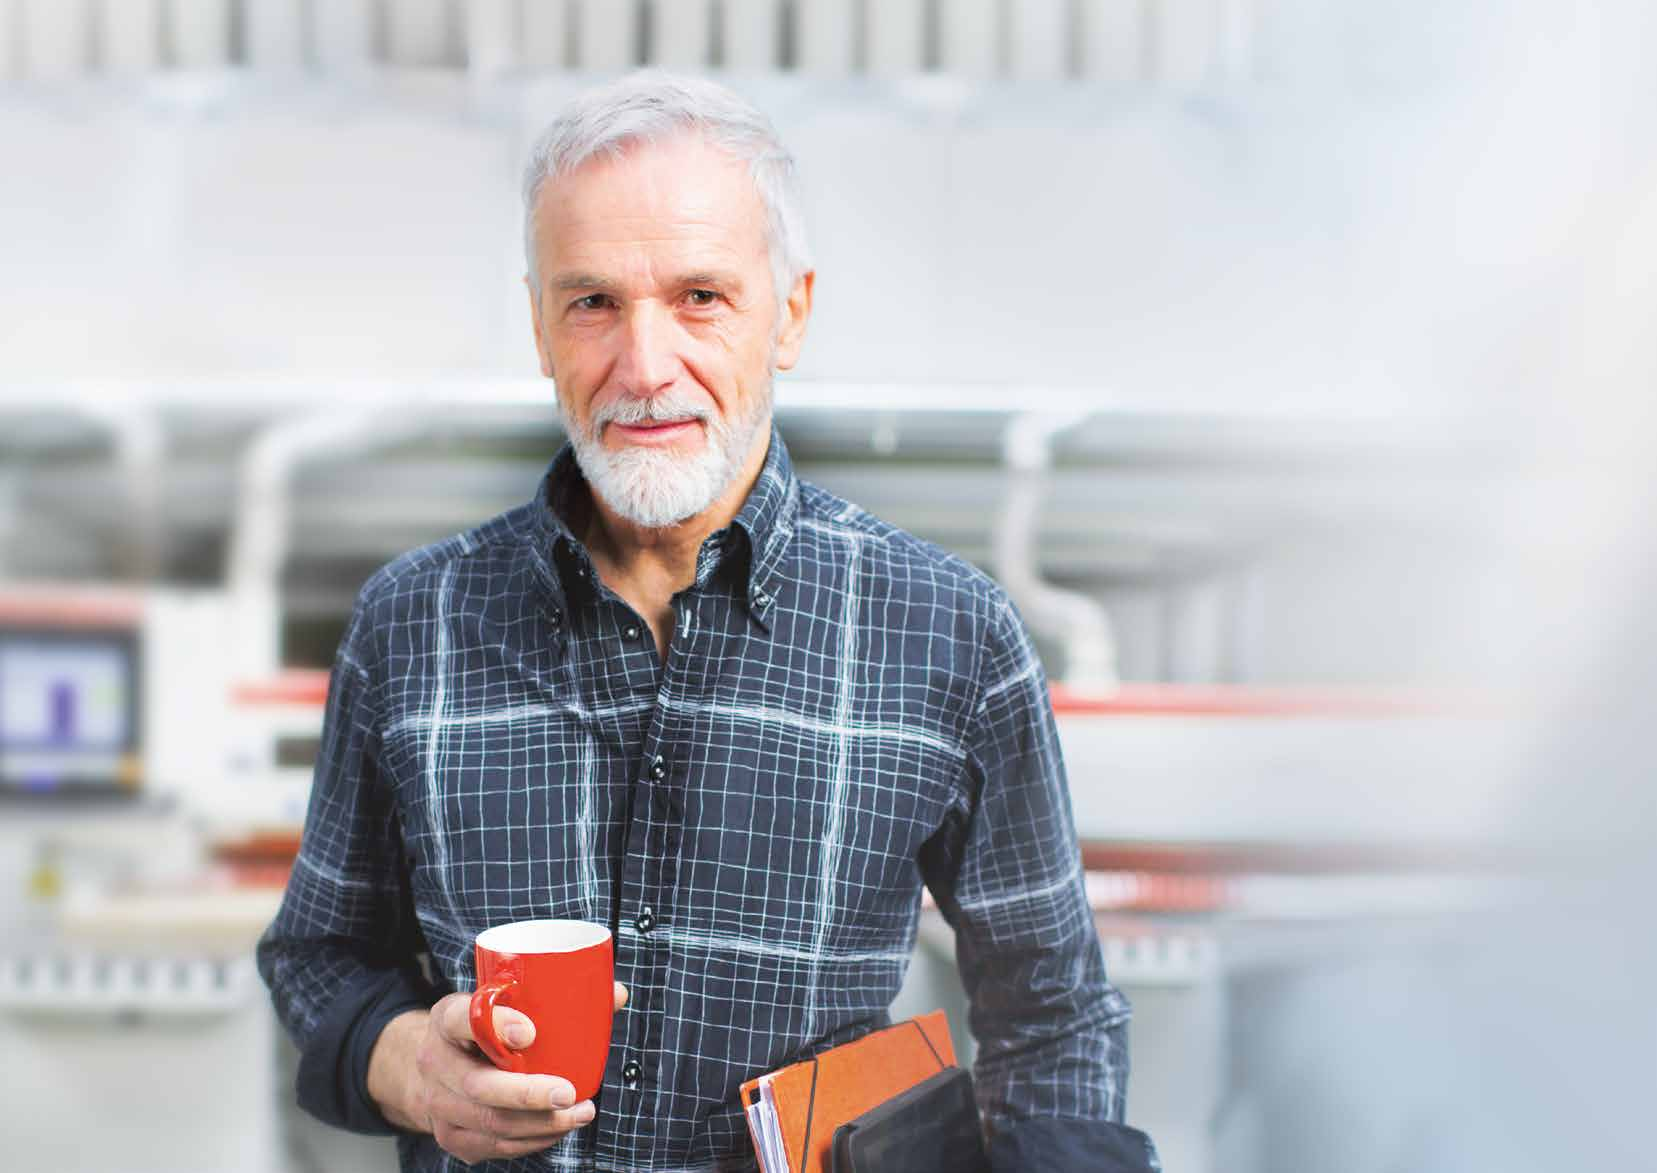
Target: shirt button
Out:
[631,632]
[761,599]
[658,768]
[631,1073]
[645,921]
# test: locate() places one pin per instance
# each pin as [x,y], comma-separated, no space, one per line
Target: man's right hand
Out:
[427,1075]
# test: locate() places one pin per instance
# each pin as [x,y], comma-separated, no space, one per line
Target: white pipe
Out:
[343,34]
[417,32]
[607,34]
[140,445]
[10,513]
[56,38]
[1113,41]
[131,36]
[1381,419]
[681,33]
[8,36]
[274,31]
[259,535]
[491,37]
[1039,39]
[969,37]
[1186,36]
[897,38]
[1235,49]
[751,35]
[1197,631]
[546,33]
[825,35]
[201,33]
[1075,621]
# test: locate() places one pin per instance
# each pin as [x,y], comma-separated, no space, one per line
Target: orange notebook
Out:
[811,1099]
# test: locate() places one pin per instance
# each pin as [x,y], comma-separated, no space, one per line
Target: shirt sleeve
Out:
[341,957]
[1005,869]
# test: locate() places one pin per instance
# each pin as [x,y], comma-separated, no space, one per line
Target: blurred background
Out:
[1289,360]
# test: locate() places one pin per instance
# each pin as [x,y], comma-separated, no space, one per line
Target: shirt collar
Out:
[766,521]
[767,517]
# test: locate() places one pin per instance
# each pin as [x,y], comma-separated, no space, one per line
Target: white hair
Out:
[650,106]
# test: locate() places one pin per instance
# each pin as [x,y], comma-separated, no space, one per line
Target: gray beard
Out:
[655,488]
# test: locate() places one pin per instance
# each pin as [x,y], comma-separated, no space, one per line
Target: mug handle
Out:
[483,1023]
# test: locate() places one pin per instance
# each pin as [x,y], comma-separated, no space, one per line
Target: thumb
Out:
[621,995]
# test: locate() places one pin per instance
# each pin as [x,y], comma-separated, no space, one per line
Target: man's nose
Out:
[648,363]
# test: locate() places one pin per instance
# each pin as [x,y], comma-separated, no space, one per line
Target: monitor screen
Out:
[68,710]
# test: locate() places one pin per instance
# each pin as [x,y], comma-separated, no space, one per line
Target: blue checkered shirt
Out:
[845,714]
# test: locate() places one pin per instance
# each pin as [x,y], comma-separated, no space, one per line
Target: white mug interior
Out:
[542,936]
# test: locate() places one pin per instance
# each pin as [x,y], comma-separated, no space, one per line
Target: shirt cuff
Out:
[1049,1145]
[332,1083]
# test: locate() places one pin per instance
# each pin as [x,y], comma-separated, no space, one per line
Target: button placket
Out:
[650,842]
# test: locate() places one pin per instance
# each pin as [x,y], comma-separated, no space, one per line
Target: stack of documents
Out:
[793,1113]
[766,1131]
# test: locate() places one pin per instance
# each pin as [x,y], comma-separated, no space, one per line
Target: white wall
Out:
[1236,247]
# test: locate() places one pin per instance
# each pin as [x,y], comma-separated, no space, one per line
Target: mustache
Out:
[669,408]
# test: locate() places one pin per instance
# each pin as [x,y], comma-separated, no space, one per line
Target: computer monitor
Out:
[69,710]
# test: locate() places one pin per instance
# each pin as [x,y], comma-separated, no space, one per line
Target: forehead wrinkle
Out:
[578,280]
[604,227]
[655,187]
[645,194]
[703,276]
[613,265]
[652,230]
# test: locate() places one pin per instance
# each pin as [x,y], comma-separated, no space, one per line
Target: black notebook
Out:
[931,1128]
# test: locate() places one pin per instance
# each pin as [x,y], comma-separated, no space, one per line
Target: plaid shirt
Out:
[845,713]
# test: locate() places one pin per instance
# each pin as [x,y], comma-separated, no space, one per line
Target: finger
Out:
[453,1018]
[483,1083]
[506,1123]
[514,1028]
[459,1067]
[621,995]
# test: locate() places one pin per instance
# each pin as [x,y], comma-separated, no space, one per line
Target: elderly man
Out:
[685,694]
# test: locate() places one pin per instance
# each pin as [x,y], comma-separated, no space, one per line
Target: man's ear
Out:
[541,349]
[795,314]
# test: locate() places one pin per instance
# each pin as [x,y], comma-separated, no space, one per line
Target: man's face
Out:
[658,319]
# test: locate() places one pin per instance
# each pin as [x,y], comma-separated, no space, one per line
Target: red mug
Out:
[561,975]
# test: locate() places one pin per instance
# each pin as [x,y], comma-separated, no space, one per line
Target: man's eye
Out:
[701,297]
[593,301]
